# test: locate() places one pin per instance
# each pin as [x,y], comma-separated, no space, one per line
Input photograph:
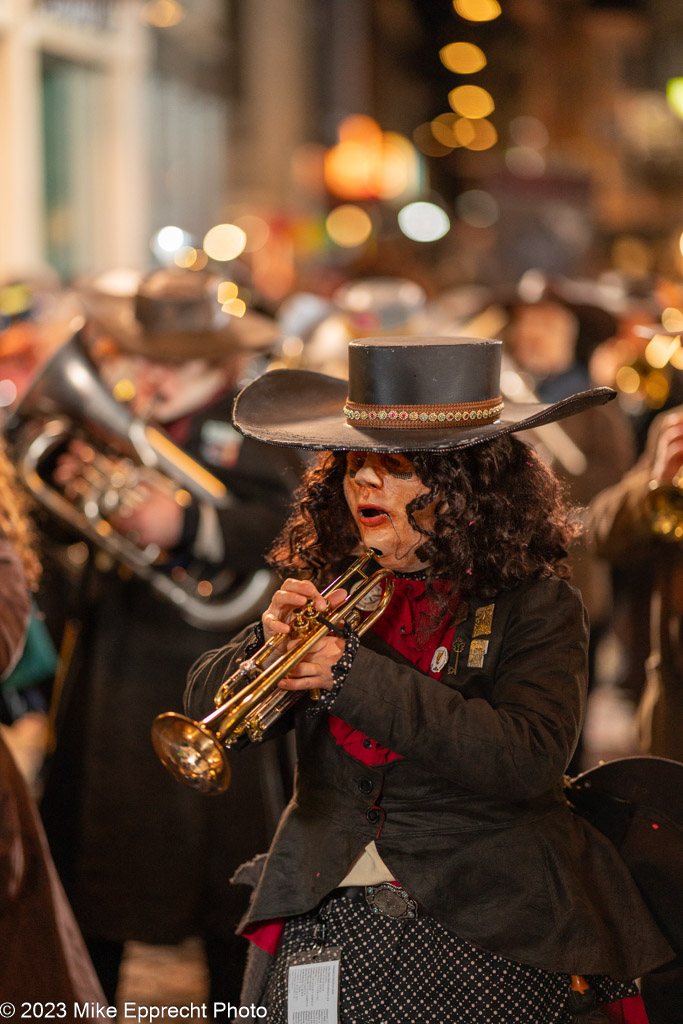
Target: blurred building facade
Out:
[122,117]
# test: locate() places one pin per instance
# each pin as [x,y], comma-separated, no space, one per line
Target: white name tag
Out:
[313,993]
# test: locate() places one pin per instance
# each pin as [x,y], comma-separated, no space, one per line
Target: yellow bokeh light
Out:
[124,390]
[660,350]
[201,260]
[226,291]
[235,307]
[359,128]
[471,101]
[677,359]
[476,135]
[185,257]
[162,13]
[353,170]
[348,226]
[477,10]
[462,58]
[443,129]
[672,319]
[224,242]
[400,167]
[627,380]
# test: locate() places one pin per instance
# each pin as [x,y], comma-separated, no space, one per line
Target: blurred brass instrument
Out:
[122,456]
[249,700]
[664,509]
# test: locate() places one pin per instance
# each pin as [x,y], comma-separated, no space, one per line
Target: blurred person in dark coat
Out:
[142,857]
[543,338]
[43,954]
[626,525]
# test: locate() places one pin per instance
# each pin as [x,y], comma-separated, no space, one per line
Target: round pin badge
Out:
[439,659]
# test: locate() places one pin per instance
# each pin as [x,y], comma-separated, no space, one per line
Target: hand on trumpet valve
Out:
[283,615]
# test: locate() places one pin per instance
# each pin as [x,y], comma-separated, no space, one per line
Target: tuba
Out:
[67,400]
[249,700]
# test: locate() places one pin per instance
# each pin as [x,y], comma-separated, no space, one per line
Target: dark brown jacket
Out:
[42,956]
[619,529]
[475,825]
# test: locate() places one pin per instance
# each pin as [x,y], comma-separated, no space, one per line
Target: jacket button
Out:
[365,785]
[373,815]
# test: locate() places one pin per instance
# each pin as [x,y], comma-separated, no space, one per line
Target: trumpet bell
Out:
[191,752]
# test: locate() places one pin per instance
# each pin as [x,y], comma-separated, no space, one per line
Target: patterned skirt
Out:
[397,971]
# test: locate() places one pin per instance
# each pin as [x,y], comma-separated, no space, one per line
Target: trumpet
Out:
[249,700]
[664,509]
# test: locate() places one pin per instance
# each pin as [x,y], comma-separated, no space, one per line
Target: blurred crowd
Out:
[152,516]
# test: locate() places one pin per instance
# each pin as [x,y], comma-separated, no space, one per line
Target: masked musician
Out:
[141,859]
[429,863]
[627,524]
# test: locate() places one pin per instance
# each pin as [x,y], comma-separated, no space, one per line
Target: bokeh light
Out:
[235,307]
[423,222]
[477,10]
[462,58]
[224,242]
[471,101]
[672,319]
[674,95]
[226,291]
[476,135]
[443,129]
[162,13]
[348,225]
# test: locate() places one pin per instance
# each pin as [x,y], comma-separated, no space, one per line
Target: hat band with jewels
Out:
[455,414]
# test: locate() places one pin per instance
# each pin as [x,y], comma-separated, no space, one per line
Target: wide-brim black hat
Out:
[172,315]
[403,394]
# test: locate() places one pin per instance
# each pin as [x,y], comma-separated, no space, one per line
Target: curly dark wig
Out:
[501,517]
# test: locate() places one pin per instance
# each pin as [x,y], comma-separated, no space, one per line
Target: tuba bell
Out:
[249,701]
[67,400]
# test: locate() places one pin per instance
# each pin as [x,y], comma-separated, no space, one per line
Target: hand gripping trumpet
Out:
[249,700]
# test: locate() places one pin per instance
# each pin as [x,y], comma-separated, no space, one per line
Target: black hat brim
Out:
[304,409]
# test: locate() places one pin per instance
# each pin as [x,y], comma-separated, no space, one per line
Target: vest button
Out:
[367,743]
[365,785]
[373,815]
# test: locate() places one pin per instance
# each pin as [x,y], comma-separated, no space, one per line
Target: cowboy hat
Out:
[403,394]
[171,315]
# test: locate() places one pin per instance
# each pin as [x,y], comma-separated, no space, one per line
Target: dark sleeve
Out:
[15,606]
[515,746]
[617,526]
[260,483]
[211,669]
